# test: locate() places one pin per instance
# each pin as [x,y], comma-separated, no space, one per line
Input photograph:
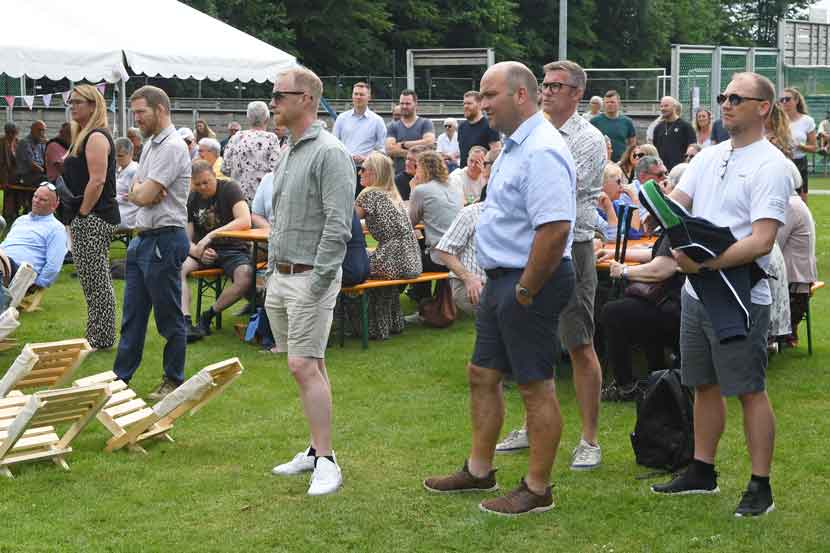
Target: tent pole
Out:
[122,97]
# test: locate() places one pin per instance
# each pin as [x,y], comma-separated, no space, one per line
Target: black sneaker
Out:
[193,332]
[689,482]
[756,501]
[205,320]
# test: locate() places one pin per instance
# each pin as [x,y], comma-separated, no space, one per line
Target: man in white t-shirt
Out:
[742,184]
[468,181]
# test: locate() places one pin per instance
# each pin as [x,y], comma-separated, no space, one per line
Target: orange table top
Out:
[250,235]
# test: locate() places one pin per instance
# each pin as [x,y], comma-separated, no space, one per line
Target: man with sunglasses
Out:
[37,238]
[312,222]
[562,89]
[742,184]
[672,135]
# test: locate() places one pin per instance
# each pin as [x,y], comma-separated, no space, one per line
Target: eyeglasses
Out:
[687,157]
[49,185]
[448,126]
[736,99]
[278,95]
[638,155]
[555,86]
[785,99]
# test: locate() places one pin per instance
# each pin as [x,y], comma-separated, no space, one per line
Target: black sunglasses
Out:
[736,99]
[688,156]
[278,95]
[785,99]
[638,155]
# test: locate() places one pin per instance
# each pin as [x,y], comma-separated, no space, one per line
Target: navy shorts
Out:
[518,340]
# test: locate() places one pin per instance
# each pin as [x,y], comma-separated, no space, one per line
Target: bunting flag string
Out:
[29,100]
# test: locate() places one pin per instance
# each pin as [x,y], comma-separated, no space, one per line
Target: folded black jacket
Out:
[725,293]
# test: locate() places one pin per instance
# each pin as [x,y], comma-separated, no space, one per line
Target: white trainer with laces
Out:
[326,478]
[302,462]
[586,456]
[515,441]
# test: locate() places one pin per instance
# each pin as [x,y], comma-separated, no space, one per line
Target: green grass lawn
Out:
[401,413]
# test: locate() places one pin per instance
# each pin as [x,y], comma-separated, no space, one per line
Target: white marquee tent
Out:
[96,39]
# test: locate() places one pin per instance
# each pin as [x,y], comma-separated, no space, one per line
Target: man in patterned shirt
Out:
[562,89]
[457,249]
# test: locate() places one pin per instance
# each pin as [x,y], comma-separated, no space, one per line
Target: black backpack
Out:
[663,436]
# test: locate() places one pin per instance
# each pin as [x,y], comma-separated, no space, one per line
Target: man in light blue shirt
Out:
[263,202]
[523,243]
[360,129]
[38,238]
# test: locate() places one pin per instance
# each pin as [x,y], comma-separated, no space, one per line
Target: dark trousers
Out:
[153,281]
[423,290]
[629,321]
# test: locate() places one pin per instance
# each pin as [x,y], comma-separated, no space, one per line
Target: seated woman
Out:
[396,255]
[215,205]
[611,198]
[797,239]
[651,319]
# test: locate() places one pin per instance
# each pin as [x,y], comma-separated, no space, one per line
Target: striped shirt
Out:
[587,147]
[459,240]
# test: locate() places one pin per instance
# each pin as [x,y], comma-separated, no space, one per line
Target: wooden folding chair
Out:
[26,423]
[8,324]
[20,284]
[45,365]
[131,421]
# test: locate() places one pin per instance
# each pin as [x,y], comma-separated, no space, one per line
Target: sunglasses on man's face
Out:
[278,95]
[736,99]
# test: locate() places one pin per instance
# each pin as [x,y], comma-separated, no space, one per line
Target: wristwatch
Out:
[524,292]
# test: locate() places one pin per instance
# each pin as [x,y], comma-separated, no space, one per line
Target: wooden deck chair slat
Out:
[125,408]
[21,282]
[34,442]
[11,401]
[120,397]
[34,456]
[32,432]
[134,417]
[100,378]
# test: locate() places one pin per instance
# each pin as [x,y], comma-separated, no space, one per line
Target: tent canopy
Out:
[92,39]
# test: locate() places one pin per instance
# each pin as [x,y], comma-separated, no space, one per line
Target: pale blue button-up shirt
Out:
[361,134]
[533,182]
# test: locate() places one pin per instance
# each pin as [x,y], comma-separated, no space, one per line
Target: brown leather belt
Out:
[293,268]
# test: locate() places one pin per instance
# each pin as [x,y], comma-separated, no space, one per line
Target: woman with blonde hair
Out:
[778,130]
[89,173]
[203,130]
[803,132]
[396,255]
[703,127]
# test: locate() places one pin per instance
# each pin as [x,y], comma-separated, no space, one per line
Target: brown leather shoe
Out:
[462,481]
[520,501]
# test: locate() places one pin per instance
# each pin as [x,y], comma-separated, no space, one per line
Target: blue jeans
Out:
[153,280]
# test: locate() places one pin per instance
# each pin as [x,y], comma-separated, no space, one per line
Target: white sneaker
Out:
[302,462]
[327,477]
[413,319]
[515,441]
[586,456]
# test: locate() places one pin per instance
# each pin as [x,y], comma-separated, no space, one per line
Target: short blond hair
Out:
[308,81]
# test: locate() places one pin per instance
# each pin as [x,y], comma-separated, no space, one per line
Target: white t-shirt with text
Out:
[736,187]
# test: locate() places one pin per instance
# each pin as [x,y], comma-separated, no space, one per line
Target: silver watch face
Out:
[524,291]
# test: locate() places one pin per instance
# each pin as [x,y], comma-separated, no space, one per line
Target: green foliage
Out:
[361,37]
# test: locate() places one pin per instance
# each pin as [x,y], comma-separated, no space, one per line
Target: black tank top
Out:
[76,176]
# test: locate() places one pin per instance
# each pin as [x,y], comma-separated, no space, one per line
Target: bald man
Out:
[672,135]
[31,155]
[523,243]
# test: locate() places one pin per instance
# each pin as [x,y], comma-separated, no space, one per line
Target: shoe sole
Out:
[584,468]
[484,509]
[689,492]
[328,492]
[462,490]
[291,473]
[512,449]
[769,509]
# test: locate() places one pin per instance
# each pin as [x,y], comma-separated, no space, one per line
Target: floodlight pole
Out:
[563,29]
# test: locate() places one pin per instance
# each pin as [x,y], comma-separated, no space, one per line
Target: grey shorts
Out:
[228,261]
[576,322]
[738,367]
